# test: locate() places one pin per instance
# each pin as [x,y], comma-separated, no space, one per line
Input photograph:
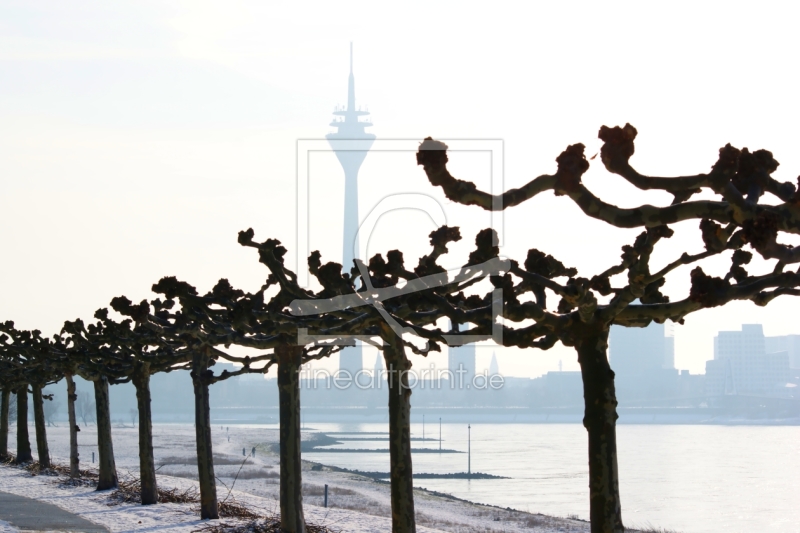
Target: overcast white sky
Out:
[137,138]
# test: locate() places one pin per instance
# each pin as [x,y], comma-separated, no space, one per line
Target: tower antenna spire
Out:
[351,87]
[351,143]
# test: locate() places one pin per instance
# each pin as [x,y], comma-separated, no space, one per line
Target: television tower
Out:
[350,143]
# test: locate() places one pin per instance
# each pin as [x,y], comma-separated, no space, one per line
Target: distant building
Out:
[562,389]
[494,368]
[461,363]
[350,143]
[378,373]
[691,389]
[742,366]
[669,351]
[785,343]
[641,350]
[643,360]
[747,342]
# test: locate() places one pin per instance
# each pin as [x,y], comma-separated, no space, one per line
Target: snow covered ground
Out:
[355,504]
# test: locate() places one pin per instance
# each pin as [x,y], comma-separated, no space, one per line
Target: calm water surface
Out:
[694,479]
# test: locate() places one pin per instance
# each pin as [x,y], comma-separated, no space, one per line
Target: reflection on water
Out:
[689,478]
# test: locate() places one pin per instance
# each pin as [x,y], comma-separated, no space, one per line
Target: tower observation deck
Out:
[350,143]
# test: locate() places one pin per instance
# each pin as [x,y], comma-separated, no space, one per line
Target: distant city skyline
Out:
[138,139]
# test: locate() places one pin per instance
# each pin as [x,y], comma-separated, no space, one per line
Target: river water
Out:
[689,478]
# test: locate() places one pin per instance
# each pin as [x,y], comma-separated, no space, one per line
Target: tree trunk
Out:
[105,447]
[402,483]
[74,464]
[600,420]
[202,423]
[23,442]
[147,463]
[41,431]
[5,399]
[289,360]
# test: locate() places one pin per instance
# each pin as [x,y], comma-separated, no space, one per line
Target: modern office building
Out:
[643,360]
[747,342]
[641,350]
[743,366]
[785,343]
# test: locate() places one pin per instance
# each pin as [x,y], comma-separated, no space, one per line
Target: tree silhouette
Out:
[93,362]
[8,404]
[270,326]
[42,370]
[124,353]
[346,306]
[628,293]
[540,300]
[68,368]
[220,318]
[5,400]
[193,332]
[13,363]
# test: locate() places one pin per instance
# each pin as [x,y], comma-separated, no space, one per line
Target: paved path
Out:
[33,515]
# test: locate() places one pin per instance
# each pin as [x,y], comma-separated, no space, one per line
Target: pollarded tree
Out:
[28,361]
[5,400]
[10,377]
[194,331]
[628,293]
[265,324]
[368,302]
[7,369]
[127,353]
[145,356]
[94,362]
[15,344]
[41,369]
[227,316]
[69,367]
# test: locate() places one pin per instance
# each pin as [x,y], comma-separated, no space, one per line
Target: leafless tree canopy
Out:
[528,302]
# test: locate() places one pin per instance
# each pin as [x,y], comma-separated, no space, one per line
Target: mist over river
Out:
[690,478]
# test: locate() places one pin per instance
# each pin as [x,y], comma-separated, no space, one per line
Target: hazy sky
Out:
[137,138]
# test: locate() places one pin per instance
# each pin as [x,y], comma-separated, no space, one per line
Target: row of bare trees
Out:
[531,304]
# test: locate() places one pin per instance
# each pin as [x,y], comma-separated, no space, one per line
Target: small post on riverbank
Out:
[469,450]
[326,496]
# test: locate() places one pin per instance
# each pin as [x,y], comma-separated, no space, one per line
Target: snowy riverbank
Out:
[356,504]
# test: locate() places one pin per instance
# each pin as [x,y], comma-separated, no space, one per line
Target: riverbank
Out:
[356,503]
